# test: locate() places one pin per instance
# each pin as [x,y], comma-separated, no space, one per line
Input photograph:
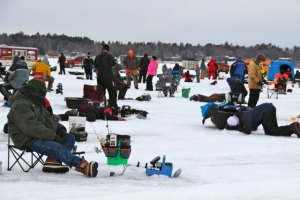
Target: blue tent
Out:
[277,65]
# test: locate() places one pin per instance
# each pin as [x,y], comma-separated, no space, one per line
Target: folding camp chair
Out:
[164,85]
[94,93]
[21,158]
[272,90]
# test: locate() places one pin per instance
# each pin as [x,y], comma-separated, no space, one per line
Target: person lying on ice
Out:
[236,86]
[265,114]
[32,127]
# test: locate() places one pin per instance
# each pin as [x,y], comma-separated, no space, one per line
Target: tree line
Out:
[53,44]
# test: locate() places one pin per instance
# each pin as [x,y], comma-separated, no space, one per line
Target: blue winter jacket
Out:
[239,69]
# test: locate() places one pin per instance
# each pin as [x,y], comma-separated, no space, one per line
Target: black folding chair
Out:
[20,158]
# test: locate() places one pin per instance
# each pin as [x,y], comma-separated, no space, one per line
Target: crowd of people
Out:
[33,127]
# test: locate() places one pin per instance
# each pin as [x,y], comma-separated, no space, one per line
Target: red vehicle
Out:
[7,54]
[74,61]
[223,67]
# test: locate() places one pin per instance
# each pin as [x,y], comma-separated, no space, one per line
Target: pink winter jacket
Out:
[152,67]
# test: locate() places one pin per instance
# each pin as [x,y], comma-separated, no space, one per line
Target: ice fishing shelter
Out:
[277,65]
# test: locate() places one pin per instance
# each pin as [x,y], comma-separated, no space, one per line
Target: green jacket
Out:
[28,122]
[131,63]
[202,66]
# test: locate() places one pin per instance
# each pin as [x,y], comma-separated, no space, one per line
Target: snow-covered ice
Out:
[216,164]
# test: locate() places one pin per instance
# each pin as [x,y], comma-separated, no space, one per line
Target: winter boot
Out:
[193,98]
[295,128]
[88,169]
[52,165]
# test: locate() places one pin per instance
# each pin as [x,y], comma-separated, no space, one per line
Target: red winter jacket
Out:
[211,65]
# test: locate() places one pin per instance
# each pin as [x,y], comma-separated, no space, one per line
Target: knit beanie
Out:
[105,47]
[35,90]
[37,84]
[233,121]
[130,53]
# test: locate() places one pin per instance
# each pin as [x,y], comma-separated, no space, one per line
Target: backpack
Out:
[210,110]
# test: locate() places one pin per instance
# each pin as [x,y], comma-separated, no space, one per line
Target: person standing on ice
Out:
[88,63]
[131,64]
[143,68]
[198,72]
[152,71]
[212,68]
[62,62]
[237,69]
[255,79]
[104,63]
[203,69]
[32,127]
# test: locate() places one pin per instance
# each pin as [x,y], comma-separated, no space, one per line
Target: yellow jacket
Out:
[41,67]
[254,76]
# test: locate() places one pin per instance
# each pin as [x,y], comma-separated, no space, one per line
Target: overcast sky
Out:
[239,22]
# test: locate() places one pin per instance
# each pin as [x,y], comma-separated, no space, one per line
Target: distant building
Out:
[189,63]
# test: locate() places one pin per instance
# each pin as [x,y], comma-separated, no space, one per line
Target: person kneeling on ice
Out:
[32,127]
[248,120]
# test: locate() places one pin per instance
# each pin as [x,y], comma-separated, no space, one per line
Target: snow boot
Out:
[295,128]
[194,98]
[88,169]
[52,165]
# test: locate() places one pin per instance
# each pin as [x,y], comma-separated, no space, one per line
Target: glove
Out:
[265,82]
[260,83]
[61,132]
[58,139]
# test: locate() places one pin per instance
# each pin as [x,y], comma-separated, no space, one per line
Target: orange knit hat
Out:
[130,53]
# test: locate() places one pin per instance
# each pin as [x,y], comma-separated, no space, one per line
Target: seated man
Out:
[281,79]
[119,83]
[32,127]
[43,67]
[248,120]
[15,76]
